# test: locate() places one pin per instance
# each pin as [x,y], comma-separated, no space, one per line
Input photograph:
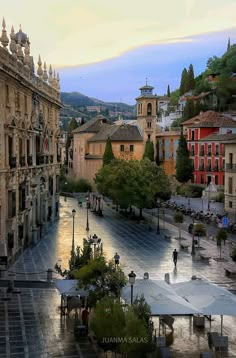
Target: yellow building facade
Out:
[128,140]
[29,154]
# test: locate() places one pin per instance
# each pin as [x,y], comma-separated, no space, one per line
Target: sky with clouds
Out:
[106,48]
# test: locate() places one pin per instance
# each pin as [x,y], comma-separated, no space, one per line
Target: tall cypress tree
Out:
[191,81]
[189,109]
[184,167]
[184,82]
[228,45]
[168,91]
[149,151]
[108,155]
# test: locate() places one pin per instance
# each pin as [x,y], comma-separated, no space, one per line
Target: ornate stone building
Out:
[29,152]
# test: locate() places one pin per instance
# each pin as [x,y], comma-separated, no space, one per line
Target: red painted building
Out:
[205,136]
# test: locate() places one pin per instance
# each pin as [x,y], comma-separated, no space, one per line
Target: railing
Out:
[12,162]
[231,167]
[201,153]
[201,167]
[30,160]
[22,160]
[216,168]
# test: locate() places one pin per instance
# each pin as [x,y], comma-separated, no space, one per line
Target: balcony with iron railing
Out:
[230,167]
[216,168]
[30,160]
[12,162]
[22,160]
[207,168]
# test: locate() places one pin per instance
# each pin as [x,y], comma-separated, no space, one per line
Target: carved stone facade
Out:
[29,152]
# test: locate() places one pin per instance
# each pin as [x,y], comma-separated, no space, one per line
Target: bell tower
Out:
[147,113]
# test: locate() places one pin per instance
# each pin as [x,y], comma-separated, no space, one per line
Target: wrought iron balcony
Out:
[12,162]
[22,160]
[230,167]
[30,160]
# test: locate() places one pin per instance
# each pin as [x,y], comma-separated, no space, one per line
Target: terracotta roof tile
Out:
[210,119]
[93,125]
[124,132]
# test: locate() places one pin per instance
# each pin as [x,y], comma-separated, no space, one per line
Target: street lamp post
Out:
[193,243]
[158,216]
[87,207]
[132,282]
[73,237]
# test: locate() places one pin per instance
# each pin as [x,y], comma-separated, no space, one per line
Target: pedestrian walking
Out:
[85,316]
[175,256]
[117,259]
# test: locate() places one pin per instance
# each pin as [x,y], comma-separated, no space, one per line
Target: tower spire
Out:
[4,39]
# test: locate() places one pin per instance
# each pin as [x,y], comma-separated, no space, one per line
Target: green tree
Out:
[199,230]
[174,97]
[191,82]
[184,168]
[133,183]
[120,329]
[108,155]
[228,45]
[105,277]
[149,151]
[108,322]
[189,109]
[168,91]
[184,82]
[179,219]
[221,236]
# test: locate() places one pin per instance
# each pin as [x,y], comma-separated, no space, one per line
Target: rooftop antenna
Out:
[146,80]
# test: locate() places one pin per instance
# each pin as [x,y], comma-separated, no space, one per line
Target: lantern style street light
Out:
[193,243]
[73,237]
[87,207]
[158,215]
[132,276]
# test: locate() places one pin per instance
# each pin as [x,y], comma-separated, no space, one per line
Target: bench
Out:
[230,270]
[184,245]
[204,257]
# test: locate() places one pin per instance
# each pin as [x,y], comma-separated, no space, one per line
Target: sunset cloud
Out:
[69,32]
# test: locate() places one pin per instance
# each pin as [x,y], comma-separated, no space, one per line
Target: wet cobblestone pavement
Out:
[30,323]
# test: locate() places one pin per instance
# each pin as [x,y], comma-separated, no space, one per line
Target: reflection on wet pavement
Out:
[140,250]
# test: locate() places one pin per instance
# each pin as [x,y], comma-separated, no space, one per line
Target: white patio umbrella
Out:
[147,288]
[198,287]
[70,288]
[220,305]
[223,305]
[170,305]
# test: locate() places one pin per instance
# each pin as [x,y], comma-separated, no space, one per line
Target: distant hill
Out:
[77,99]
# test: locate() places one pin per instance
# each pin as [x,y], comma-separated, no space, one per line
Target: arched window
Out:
[149,109]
